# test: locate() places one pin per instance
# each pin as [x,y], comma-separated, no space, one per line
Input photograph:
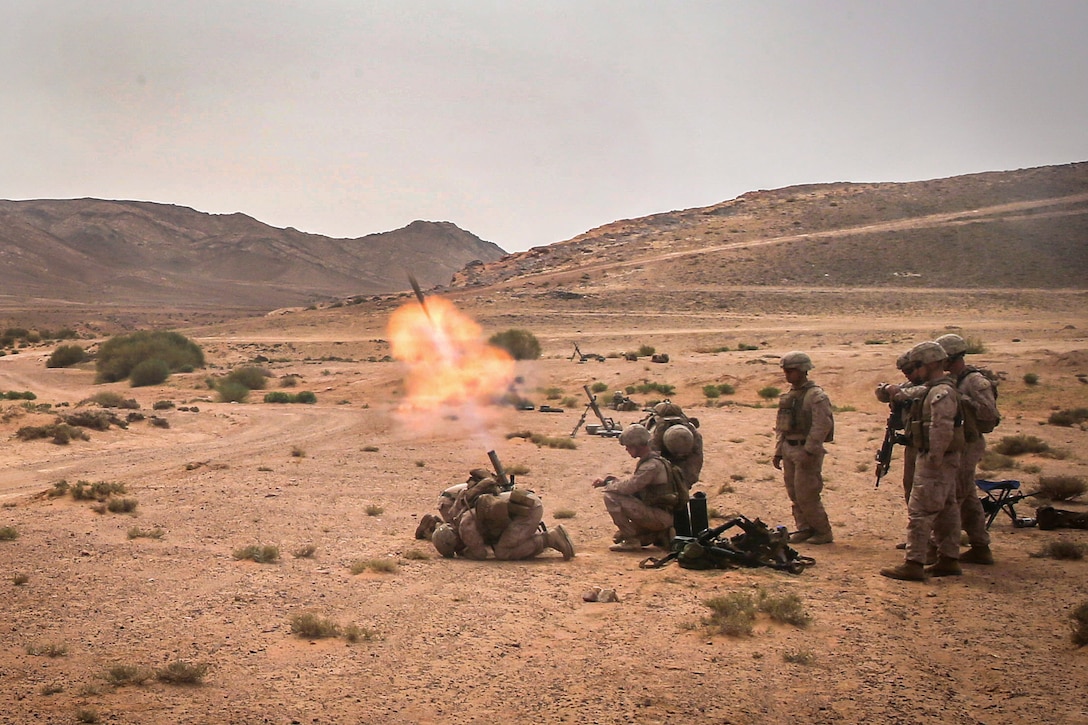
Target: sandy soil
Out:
[467,642]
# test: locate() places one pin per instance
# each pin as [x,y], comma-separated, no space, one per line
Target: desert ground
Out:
[456,641]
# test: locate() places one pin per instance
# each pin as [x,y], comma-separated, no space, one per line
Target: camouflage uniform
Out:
[633,503]
[977,396]
[932,510]
[805,421]
[507,524]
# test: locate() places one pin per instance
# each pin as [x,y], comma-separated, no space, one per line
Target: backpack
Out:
[983,426]
[678,485]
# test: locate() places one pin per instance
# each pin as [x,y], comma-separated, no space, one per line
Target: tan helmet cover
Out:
[797,360]
[667,409]
[927,352]
[635,435]
[678,440]
[952,344]
[446,540]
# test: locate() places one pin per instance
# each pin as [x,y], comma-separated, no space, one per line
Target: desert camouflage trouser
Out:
[933,508]
[633,518]
[972,517]
[523,538]
[803,474]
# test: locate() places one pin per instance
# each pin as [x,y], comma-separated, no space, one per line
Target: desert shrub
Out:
[521,344]
[786,608]
[711,391]
[553,393]
[251,376]
[733,614]
[97,491]
[19,395]
[306,551]
[1067,550]
[1068,417]
[148,372]
[229,392]
[311,626]
[47,649]
[111,399]
[278,396]
[19,579]
[798,656]
[1031,379]
[1080,624]
[770,392]
[119,675]
[8,533]
[742,346]
[374,510]
[121,505]
[646,350]
[180,672]
[1061,488]
[289,381]
[543,441]
[598,387]
[61,433]
[119,355]
[353,633]
[88,715]
[93,419]
[1019,444]
[564,514]
[137,533]
[65,356]
[306,396]
[163,405]
[993,461]
[650,387]
[380,566]
[569,402]
[260,554]
[416,555]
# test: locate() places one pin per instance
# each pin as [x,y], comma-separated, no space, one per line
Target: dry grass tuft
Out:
[260,554]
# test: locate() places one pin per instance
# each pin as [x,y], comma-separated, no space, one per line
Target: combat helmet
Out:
[635,435]
[446,540]
[667,409]
[903,361]
[953,344]
[927,352]
[678,440]
[796,360]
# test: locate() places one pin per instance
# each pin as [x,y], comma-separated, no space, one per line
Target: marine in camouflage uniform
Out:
[933,508]
[891,394]
[804,423]
[506,524]
[978,403]
[687,450]
[639,505]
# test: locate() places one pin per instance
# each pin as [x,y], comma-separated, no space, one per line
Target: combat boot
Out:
[626,545]
[911,571]
[801,535]
[822,539]
[977,555]
[945,566]
[559,539]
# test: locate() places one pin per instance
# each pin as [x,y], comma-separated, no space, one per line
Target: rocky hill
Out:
[1025,229]
[149,254]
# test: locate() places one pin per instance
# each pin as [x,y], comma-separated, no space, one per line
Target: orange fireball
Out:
[449,363]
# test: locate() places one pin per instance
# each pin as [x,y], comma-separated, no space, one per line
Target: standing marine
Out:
[932,510]
[804,423]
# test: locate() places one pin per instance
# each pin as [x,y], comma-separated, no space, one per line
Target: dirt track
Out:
[460,641]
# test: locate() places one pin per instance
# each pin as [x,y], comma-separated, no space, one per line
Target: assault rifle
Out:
[892,436]
[608,429]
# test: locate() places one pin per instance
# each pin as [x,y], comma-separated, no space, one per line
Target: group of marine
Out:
[945,407]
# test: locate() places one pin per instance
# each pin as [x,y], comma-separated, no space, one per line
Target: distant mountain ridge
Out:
[92,250]
[1009,229]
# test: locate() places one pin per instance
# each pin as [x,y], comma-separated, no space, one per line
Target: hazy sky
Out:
[523,122]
